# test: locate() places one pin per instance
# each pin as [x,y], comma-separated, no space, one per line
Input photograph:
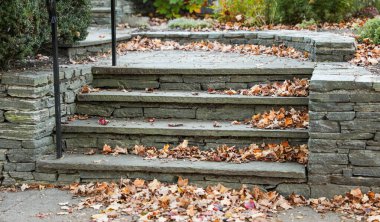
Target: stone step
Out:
[83,134]
[102,167]
[169,71]
[181,104]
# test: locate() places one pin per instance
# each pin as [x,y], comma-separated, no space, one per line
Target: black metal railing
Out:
[52,9]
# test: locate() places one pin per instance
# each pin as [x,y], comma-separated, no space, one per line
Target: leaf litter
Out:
[139,43]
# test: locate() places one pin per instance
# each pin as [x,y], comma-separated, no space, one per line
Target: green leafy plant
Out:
[188,23]
[330,10]
[175,8]
[24,26]
[305,24]
[371,30]
[250,12]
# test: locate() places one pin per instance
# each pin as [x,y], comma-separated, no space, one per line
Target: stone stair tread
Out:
[101,9]
[132,163]
[189,128]
[188,97]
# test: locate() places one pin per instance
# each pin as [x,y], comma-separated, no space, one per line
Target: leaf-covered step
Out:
[181,104]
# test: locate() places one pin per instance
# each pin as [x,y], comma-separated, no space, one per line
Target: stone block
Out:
[355,181]
[323,146]
[8,103]
[181,86]
[368,115]
[342,136]
[366,171]
[94,110]
[49,177]
[26,132]
[26,79]
[340,116]
[81,143]
[330,107]
[325,126]
[21,175]
[169,113]
[29,91]
[9,167]
[3,153]
[363,125]
[69,178]
[128,112]
[369,158]
[321,168]
[328,158]
[10,144]
[32,144]
[367,107]
[352,144]
[317,115]
[206,79]
[288,189]
[171,78]
[329,97]
[330,190]
[27,117]
[25,167]
[2,119]
[224,113]
[315,178]
[69,97]
[117,142]
[213,85]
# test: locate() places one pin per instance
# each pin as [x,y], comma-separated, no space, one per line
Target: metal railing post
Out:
[51,4]
[113,27]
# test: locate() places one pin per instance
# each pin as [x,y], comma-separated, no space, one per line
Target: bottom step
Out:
[102,167]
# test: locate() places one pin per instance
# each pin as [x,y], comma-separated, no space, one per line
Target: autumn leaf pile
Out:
[281,119]
[288,88]
[265,152]
[355,204]
[146,44]
[156,201]
[366,54]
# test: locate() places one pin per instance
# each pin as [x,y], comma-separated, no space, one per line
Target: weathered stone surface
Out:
[189,128]
[368,115]
[26,79]
[355,181]
[126,84]
[8,103]
[369,158]
[331,107]
[367,107]
[137,164]
[2,154]
[50,177]
[21,175]
[328,158]
[26,132]
[340,116]
[342,136]
[10,144]
[288,189]
[2,116]
[29,91]
[31,144]
[68,178]
[128,112]
[322,168]
[95,110]
[81,142]
[27,117]
[323,145]
[25,167]
[181,86]
[366,171]
[352,144]
[169,113]
[366,125]
[325,126]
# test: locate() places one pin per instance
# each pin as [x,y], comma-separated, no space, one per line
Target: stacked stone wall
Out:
[344,131]
[27,118]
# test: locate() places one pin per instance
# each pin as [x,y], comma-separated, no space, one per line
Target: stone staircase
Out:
[177,107]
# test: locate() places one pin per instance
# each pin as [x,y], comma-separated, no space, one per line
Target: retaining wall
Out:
[27,117]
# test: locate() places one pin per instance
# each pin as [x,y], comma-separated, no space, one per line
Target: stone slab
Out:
[188,98]
[189,128]
[137,164]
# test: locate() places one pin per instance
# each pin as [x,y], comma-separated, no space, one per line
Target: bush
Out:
[250,12]
[24,26]
[295,11]
[186,23]
[22,29]
[371,30]
[175,8]
[74,19]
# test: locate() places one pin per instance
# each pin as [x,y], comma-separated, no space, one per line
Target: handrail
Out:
[113,28]
[51,5]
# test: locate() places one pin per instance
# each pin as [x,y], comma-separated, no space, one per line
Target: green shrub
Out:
[74,19]
[305,24]
[371,30]
[250,12]
[175,8]
[187,23]
[295,11]
[24,26]
[22,29]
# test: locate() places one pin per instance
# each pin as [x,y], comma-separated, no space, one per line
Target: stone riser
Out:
[82,142]
[177,111]
[188,82]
